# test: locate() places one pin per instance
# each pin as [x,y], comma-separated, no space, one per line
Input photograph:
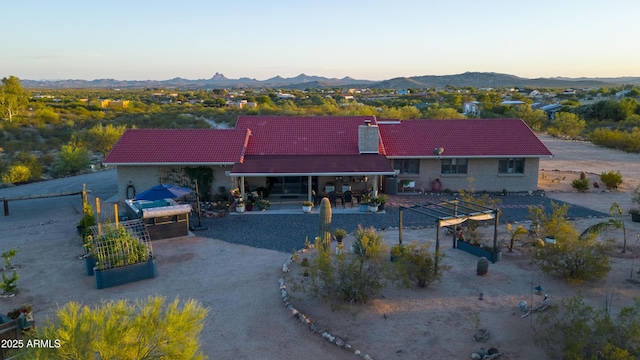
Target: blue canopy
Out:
[163,191]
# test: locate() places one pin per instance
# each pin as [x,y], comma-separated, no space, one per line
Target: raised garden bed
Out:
[479,252]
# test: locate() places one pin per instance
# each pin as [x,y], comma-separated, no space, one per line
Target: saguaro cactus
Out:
[325,223]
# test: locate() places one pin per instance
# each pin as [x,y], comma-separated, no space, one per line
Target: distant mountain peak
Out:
[218,77]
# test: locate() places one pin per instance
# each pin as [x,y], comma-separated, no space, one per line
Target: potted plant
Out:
[382,200]
[339,234]
[263,204]
[249,205]
[307,206]
[25,314]
[240,205]
[635,214]
[238,202]
[364,203]
[373,205]
[123,255]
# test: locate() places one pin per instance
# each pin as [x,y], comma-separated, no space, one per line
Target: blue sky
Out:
[374,40]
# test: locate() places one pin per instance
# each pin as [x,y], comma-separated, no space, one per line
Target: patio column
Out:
[242,186]
[375,186]
[309,188]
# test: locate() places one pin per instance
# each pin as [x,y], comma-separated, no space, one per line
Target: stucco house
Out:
[295,156]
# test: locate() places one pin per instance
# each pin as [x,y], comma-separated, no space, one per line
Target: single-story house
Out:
[296,156]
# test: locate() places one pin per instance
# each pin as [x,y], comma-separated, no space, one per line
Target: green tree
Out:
[72,159]
[535,119]
[435,112]
[13,98]
[102,138]
[567,124]
[47,115]
[146,329]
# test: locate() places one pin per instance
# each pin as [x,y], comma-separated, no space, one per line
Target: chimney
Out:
[368,137]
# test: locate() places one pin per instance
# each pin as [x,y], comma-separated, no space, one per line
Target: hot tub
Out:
[163,218]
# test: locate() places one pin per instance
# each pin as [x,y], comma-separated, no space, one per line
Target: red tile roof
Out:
[307,135]
[162,146]
[461,138]
[297,165]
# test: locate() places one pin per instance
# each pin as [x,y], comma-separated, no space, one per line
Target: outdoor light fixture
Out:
[438,152]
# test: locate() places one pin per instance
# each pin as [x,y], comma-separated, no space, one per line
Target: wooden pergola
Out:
[452,213]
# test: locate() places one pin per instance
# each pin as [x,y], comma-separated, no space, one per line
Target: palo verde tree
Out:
[570,257]
[13,98]
[146,329]
[102,138]
[567,124]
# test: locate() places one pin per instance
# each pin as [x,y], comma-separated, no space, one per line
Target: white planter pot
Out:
[240,208]
[373,208]
[306,209]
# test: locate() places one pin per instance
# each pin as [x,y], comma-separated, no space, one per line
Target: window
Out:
[407,166]
[511,166]
[453,166]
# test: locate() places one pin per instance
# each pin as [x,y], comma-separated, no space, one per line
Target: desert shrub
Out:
[628,141]
[72,159]
[572,258]
[567,124]
[351,276]
[554,223]
[17,174]
[580,185]
[416,264]
[611,179]
[575,330]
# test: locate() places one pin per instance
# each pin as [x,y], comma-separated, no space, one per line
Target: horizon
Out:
[371,40]
[313,75]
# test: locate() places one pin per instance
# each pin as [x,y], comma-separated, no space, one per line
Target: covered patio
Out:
[314,175]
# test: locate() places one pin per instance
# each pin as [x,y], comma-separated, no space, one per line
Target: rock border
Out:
[306,321]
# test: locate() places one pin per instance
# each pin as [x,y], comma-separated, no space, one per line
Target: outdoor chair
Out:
[348,198]
[333,198]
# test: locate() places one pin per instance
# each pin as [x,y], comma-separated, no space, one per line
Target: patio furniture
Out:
[347,198]
[410,185]
[333,197]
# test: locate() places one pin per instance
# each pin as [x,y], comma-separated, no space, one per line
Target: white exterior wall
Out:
[484,173]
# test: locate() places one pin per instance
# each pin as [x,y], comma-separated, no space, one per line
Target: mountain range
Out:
[302,81]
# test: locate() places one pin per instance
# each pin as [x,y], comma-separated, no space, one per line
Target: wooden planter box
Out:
[479,252]
[125,274]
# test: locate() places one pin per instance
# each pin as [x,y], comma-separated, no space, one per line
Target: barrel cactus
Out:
[325,223]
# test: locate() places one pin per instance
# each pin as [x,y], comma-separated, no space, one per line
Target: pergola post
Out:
[495,233]
[435,263]
[400,228]
[309,188]
[242,186]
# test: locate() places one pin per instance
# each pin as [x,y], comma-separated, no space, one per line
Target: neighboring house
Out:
[551,110]
[471,108]
[298,155]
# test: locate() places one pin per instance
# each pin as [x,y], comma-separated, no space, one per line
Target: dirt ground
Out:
[239,284]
